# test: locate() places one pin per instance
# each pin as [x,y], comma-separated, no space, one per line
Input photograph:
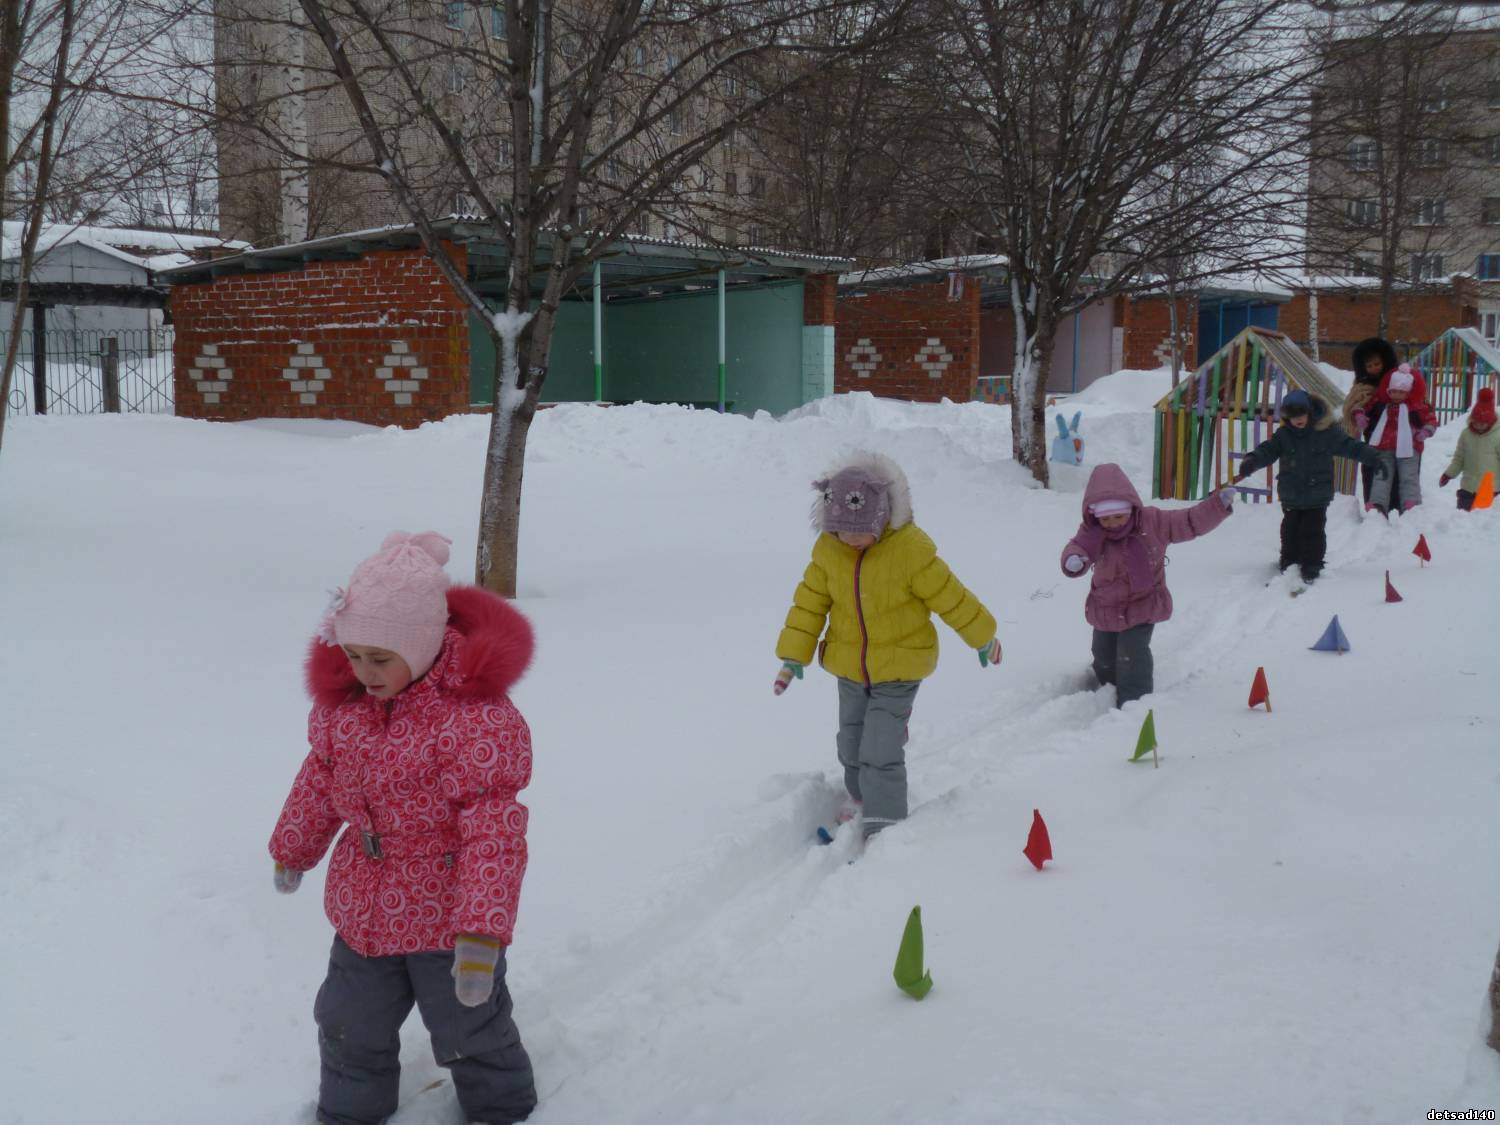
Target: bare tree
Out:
[71,72]
[1398,135]
[847,148]
[1074,118]
[605,108]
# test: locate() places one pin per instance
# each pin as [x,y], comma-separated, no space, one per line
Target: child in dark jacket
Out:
[1397,425]
[1306,446]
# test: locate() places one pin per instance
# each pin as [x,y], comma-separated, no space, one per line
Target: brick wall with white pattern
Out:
[383,339]
[919,343]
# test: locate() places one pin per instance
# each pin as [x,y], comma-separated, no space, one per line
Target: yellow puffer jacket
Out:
[879,604]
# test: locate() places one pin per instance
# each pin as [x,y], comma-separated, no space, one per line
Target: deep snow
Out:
[1292,920]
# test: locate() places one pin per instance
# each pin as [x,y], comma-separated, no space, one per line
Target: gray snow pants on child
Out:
[1407,471]
[872,747]
[1124,659]
[360,1010]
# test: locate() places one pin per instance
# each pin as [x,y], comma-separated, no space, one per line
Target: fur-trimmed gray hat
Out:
[864,494]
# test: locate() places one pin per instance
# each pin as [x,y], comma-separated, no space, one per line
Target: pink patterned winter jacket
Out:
[1111,605]
[434,774]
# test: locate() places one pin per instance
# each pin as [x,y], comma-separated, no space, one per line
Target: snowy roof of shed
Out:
[151,249]
[633,266]
[930,269]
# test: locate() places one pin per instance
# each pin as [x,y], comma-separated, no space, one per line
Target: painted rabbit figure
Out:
[1067,446]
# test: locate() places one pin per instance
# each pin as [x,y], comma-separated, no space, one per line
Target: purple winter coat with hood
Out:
[1130,580]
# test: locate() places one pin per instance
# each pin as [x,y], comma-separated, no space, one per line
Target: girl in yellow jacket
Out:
[875,579]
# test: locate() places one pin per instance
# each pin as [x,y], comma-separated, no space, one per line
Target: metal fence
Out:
[93,372]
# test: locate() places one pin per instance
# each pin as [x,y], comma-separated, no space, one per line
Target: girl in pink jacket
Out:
[417,755]
[1126,544]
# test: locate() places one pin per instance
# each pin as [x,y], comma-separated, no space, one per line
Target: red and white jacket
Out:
[433,774]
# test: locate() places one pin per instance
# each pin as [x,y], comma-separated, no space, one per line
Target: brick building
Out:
[1347,310]
[363,327]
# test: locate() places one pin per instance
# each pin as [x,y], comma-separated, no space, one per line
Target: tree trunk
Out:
[500,504]
[1028,399]
[1494,1038]
[1174,328]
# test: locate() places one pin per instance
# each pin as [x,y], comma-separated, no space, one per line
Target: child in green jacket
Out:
[1478,451]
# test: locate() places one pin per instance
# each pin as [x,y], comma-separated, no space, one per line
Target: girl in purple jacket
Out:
[1126,544]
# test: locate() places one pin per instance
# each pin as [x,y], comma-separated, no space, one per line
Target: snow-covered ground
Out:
[1292,920]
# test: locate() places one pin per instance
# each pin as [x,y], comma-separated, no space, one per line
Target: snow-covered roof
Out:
[126,243]
[968,263]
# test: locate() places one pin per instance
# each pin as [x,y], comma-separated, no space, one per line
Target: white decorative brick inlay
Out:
[863,358]
[306,374]
[933,359]
[400,373]
[209,374]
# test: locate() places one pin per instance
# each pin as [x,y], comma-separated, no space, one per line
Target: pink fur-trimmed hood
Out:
[486,650]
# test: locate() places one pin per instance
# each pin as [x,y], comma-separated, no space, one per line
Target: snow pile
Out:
[1292,920]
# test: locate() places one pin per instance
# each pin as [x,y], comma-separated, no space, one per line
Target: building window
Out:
[640,56]
[1492,150]
[455,79]
[583,218]
[1362,154]
[1361,101]
[1490,210]
[1362,212]
[1431,154]
[497,22]
[731,137]
[674,60]
[1434,98]
[1427,267]
[455,19]
[1494,98]
[731,85]
[674,121]
[757,185]
[507,153]
[757,234]
[1358,267]
[731,183]
[1430,212]
[1489,267]
[462,204]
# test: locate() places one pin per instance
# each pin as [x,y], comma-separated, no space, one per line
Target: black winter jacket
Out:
[1306,455]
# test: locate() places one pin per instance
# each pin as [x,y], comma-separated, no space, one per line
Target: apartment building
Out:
[290,149]
[1406,162]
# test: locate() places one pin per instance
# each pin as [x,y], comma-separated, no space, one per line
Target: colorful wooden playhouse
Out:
[1226,408]
[1456,365]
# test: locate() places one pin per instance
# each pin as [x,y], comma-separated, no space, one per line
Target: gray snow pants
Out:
[1124,659]
[872,747]
[360,1010]
[1405,470]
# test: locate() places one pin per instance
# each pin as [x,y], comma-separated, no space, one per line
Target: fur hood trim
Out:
[882,467]
[488,647]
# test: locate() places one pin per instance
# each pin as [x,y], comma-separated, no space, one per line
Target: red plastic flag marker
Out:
[1390,591]
[1038,844]
[1421,551]
[1260,691]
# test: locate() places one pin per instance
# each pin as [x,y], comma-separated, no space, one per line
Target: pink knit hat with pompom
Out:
[397,600]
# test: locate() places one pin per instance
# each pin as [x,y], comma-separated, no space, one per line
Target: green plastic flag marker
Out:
[910,977]
[1146,743]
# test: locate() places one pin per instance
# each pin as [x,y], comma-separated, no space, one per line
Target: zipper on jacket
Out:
[864,636]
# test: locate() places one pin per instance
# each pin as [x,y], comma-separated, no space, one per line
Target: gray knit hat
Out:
[855,500]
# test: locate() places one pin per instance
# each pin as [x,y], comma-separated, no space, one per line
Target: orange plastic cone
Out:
[1486,494]
[1390,591]
[1260,691]
[1421,551]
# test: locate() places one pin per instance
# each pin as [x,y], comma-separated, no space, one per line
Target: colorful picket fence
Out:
[1456,365]
[1222,411]
[992,388]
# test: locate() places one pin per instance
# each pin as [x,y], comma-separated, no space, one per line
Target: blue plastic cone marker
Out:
[1333,639]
